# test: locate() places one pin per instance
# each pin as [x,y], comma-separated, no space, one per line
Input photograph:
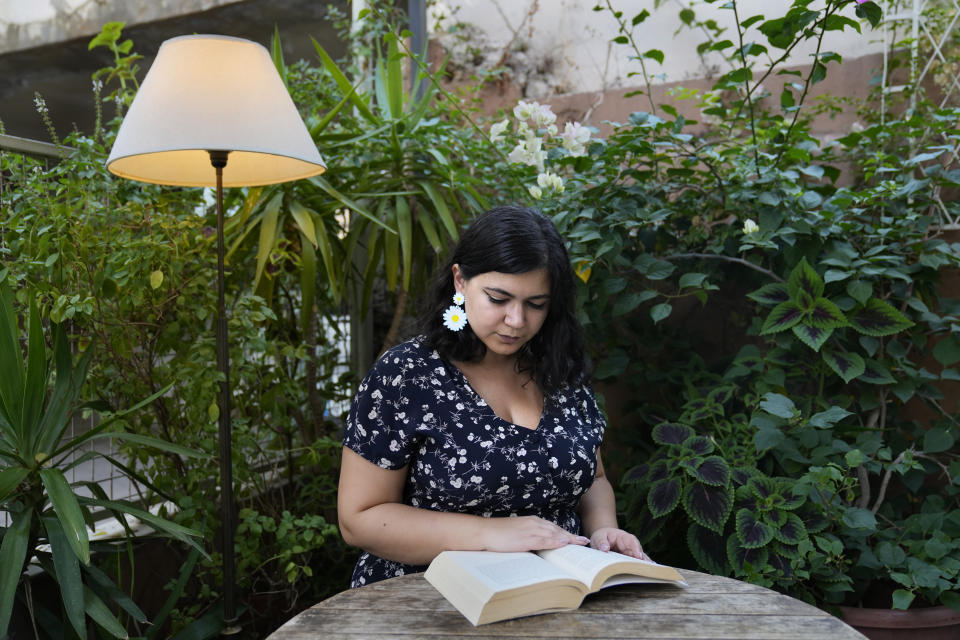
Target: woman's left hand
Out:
[613,539]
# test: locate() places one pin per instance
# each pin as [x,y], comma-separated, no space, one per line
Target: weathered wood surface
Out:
[710,608]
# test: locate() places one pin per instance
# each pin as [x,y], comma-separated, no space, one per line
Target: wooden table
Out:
[712,607]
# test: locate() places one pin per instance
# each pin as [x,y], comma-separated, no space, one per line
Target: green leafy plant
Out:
[39,396]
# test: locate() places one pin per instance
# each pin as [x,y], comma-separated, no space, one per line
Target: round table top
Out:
[711,607]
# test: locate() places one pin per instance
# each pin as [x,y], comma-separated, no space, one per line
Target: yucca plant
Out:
[40,393]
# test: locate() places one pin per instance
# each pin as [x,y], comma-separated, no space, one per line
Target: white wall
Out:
[25,24]
[577,39]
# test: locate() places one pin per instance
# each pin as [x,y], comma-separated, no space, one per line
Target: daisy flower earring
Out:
[455,318]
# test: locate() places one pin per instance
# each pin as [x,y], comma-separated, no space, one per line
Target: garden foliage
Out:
[771,303]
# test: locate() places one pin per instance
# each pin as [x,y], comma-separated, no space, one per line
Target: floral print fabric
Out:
[415,409]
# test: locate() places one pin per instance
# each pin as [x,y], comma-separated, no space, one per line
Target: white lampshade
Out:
[213,93]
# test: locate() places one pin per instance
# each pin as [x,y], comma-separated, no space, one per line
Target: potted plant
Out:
[49,519]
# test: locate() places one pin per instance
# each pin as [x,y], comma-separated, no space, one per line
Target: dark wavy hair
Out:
[513,239]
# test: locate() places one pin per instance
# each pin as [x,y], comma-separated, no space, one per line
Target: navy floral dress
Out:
[416,409]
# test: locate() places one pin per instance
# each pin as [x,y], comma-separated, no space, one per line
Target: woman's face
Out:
[505,310]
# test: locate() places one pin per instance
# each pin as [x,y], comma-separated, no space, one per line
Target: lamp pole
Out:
[219,160]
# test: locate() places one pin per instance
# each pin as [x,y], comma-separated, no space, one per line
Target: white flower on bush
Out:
[535,192]
[543,116]
[550,181]
[524,110]
[575,137]
[750,227]
[529,152]
[497,129]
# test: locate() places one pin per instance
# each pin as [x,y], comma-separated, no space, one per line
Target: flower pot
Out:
[929,623]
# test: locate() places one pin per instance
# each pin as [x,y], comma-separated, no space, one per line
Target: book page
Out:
[607,568]
[582,562]
[500,571]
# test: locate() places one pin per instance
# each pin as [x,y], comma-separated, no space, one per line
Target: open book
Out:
[487,586]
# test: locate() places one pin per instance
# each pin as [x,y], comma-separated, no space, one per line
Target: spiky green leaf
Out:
[824,314]
[783,316]
[68,578]
[878,318]
[804,279]
[68,511]
[13,553]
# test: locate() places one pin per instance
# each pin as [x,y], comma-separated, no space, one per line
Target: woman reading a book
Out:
[482,433]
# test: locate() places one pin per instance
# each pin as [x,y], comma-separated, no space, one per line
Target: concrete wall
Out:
[570,44]
[25,24]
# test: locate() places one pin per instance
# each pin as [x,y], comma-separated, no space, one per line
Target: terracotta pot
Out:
[928,623]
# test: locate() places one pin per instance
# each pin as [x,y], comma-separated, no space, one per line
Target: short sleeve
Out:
[376,428]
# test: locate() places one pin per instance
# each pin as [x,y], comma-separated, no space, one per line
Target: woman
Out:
[481,434]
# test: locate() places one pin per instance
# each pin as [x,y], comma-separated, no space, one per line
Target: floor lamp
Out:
[213,112]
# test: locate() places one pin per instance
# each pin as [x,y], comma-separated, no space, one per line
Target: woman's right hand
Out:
[525,533]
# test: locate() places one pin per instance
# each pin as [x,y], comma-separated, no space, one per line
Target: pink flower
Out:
[861,1]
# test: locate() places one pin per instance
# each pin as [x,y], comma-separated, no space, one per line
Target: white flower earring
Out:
[455,317]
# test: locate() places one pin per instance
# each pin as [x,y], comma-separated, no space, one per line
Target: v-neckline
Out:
[483,402]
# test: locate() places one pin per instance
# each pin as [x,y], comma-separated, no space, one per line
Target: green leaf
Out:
[12,380]
[440,206]
[13,553]
[813,337]
[654,54]
[770,294]
[778,405]
[329,264]
[858,518]
[268,234]
[154,443]
[35,382]
[106,588]
[825,315]
[878,318]
[875,373]
[828,418]
[707,505]
[871,12]
[784,316]
[101,614]
[394,71]
[845,364]
[664,496]
[947,350]
[804,278]
[752,532]
[308,283]
[902,599]
[276,54]
[860,290]
[629,302]
[303,218]
[937,440]
[692,279]
[344,84]
[322,182]
[405,230]
[10,479]
[661,311]
[68,512]
[189,536]
[68,577]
